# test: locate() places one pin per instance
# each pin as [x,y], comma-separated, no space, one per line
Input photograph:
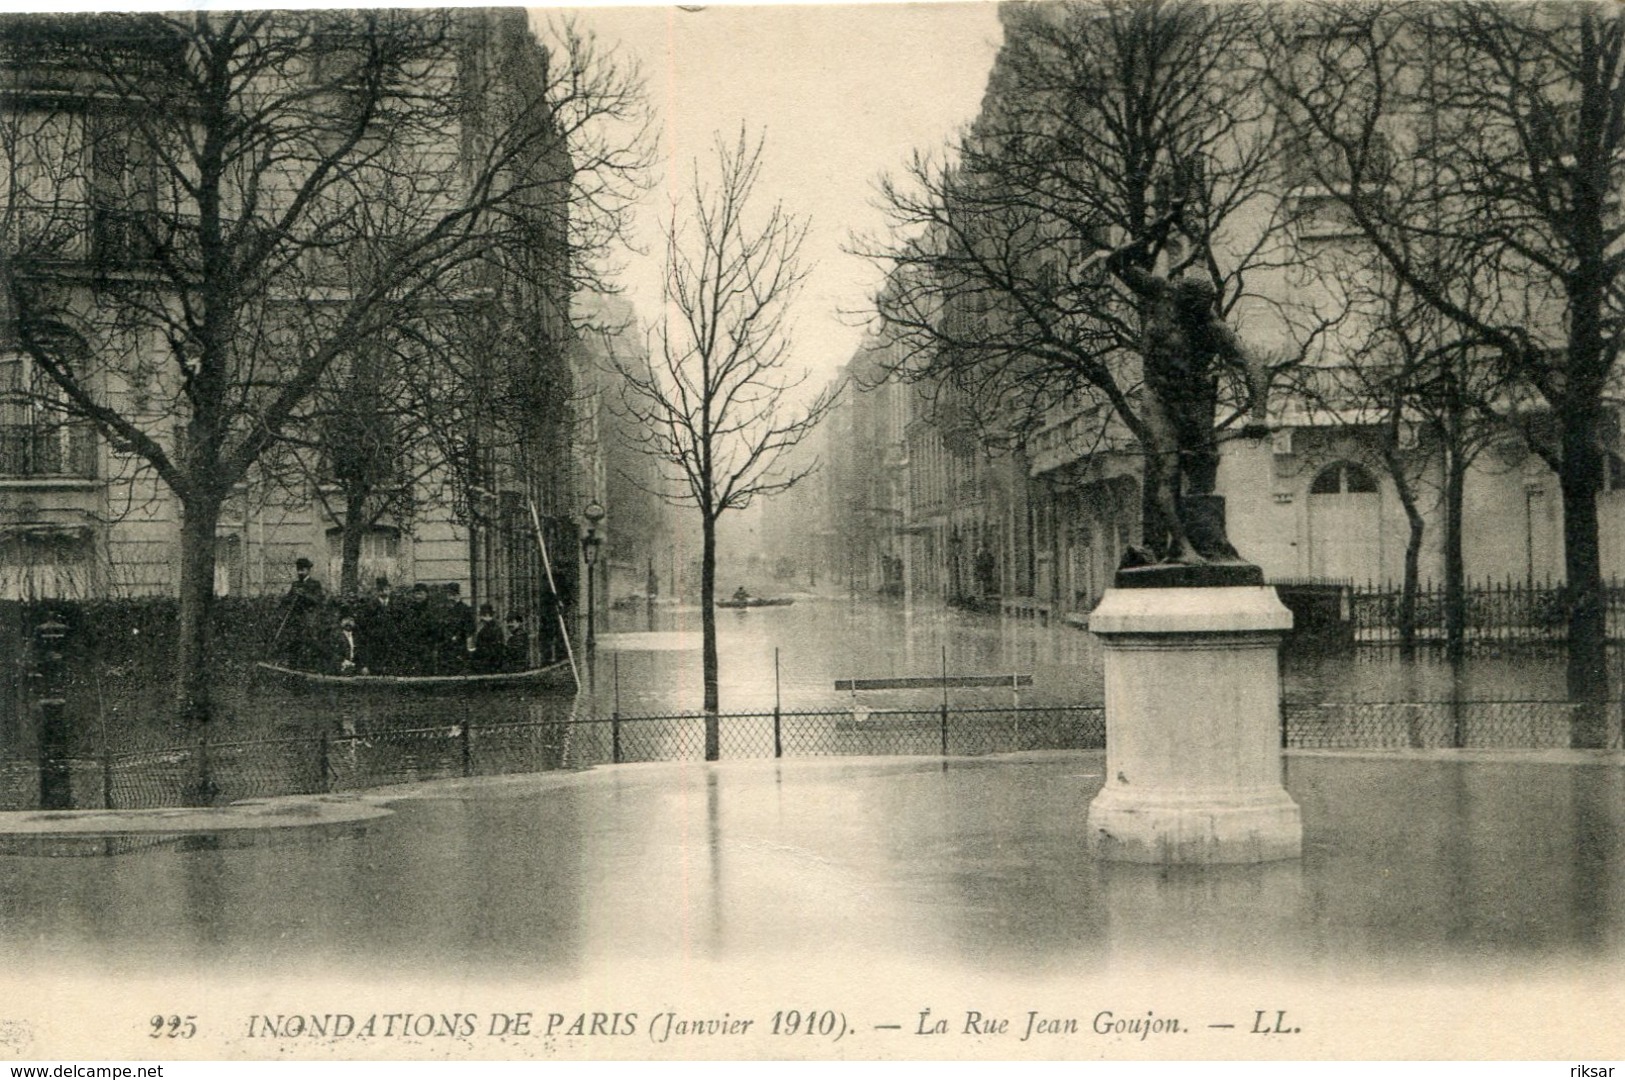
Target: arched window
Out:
[1344,478]
[1345,524]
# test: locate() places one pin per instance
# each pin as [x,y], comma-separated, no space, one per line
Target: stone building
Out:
[1054,496]
[83,517]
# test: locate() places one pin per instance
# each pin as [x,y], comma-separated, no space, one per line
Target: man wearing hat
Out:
[376,623]
[516,649]
[299,634]
[303,584]
[485,648]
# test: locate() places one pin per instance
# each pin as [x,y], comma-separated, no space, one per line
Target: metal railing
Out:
[1493,613]
[1442,724]
[840,732]
[361,757]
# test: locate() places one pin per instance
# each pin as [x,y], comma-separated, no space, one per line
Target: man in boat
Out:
[456,626]
[378,629]
[516,647]
[298,639]
[486,650]
[414,633]
[741,596]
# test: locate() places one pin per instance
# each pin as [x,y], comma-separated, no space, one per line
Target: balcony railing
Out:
[65,450]
[124,239]
[105,237]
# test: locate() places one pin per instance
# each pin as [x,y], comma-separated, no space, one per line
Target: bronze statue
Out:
[1185,346]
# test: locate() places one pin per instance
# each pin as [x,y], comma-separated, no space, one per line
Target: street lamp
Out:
[593,513]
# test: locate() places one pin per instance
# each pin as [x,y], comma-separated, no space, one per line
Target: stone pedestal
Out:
[1193,739]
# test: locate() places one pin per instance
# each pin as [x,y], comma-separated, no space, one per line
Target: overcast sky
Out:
[844,93]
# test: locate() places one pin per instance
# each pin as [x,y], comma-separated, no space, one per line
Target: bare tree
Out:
[1103,124]
[362,451]
[713,401]
[1411,392]
[1499,131]
[223,170]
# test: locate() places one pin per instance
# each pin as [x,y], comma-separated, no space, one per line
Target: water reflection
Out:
[819,642]
[1225,914]
[1466,858]
[1410,866]
[650,662]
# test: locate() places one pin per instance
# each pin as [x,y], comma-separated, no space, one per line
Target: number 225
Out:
[173,1027]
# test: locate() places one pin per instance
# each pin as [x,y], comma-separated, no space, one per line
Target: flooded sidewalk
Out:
[91,832]
[897,883]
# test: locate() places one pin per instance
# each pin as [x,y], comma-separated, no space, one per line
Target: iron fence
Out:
[1443,724]
[840,732]
[369,755]
[1495,613]
[353,758]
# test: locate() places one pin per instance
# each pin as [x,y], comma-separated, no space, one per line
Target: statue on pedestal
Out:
[1185,346]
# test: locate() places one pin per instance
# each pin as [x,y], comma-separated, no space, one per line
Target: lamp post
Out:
[593,514]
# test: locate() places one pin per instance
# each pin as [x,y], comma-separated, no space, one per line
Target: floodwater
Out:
[1416,871]
[1409,864]
[1458,905]
[648,661]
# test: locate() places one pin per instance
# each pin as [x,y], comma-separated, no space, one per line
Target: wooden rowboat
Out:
[757,601]
[557,676]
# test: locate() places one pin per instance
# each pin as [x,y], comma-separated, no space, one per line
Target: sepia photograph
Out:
[1053,530]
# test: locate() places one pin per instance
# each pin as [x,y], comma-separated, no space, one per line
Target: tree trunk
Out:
[708,634]
[1413,541]
[355,526]
[193,677]
[1455,572]
[474,568]
[1413,558]
[1579,410]
[1582,566]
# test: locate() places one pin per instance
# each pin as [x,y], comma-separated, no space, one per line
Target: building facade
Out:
[1053,498]
[82,516]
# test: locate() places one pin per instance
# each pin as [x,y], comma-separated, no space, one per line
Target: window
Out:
[37,436]
[339,58]
[1614,473]
[43,153]
[228,565]
[126,227]
[1322,216]
[380,557]
[1344,478]
[346,72]
[1318,176]
[46,562]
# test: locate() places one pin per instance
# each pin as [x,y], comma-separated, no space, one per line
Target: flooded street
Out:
[649,661]
[879,887]
[789,877]
[657,656]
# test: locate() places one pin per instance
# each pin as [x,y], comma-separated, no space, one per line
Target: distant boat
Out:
[553,677]
[757,601]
